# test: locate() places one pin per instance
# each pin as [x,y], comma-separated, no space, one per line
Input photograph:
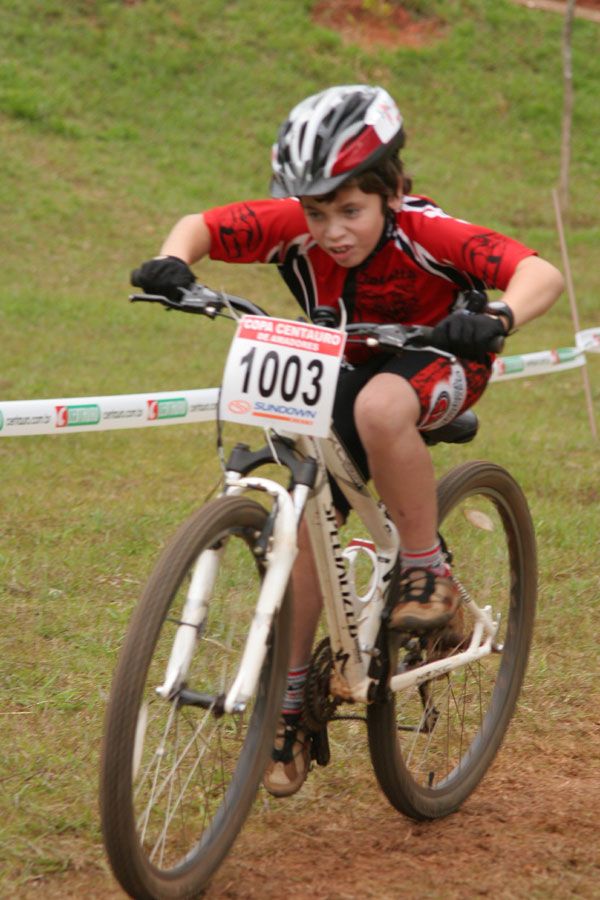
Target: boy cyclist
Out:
[344,225]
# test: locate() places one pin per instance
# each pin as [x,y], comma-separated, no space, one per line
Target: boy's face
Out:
[347,228]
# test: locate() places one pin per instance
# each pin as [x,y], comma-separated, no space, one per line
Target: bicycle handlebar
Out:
[400,336]
[203,301]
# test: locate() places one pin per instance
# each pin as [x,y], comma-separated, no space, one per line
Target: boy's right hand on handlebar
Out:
[470,335]
[164,275]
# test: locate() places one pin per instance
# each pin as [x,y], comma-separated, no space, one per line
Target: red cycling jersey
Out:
[423,261]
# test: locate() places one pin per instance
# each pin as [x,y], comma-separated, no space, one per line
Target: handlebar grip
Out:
[424,335]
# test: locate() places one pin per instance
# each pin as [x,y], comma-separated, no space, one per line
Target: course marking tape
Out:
[546,361]
[588,340]
[72,414]
[541,363]
[19,418]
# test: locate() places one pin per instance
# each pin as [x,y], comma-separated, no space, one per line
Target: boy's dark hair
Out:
[386,178]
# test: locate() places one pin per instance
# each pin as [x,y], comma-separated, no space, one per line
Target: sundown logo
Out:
[239,407]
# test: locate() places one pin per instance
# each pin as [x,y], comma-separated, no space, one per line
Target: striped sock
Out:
[293,698]
[432,558]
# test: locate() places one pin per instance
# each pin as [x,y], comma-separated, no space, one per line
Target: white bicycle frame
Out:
[353,621]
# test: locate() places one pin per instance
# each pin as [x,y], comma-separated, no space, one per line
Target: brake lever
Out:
[387,341]
[390,337]
[150,298]
[201,306]
[406,335]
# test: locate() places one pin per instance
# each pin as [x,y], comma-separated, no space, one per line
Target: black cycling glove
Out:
[163,275]
[468,335]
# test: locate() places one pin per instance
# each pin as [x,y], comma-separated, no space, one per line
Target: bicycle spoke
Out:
[191,763]
[446,732]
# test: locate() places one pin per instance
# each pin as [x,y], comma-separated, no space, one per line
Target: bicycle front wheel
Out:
[178,776]
[431,745]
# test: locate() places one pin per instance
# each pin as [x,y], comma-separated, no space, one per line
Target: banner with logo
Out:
[74,414]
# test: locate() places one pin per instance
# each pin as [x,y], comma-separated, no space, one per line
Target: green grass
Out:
[116,119]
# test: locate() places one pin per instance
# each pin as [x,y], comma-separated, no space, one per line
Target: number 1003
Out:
[287,379]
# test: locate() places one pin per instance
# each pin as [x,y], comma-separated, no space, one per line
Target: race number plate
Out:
[282,374]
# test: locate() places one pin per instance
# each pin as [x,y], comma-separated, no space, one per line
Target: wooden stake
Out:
[567,117]
[574,314]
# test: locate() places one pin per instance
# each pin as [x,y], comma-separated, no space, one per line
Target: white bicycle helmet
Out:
[333,136]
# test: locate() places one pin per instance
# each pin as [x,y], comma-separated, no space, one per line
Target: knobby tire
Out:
[196,787]
[431,747]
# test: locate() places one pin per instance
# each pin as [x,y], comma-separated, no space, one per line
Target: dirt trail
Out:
[375,23]
[584,9]
[530,830]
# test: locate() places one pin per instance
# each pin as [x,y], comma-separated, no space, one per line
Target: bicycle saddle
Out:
[459,431]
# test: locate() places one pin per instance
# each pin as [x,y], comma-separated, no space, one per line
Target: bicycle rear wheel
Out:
[178,780]
[431,745]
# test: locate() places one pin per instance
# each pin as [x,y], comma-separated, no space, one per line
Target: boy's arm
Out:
[169,272]
[189,239]
[535,285]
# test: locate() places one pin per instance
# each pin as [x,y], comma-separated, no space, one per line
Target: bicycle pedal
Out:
[319,747]
[400,640]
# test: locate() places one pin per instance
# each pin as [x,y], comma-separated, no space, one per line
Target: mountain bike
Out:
[200,677]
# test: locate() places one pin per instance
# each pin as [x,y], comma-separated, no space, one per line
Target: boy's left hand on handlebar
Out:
[164,275]
[471,336]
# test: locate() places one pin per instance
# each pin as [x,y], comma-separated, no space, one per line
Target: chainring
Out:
[319,705]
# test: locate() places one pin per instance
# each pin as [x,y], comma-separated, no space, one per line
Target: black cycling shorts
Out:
[445,387]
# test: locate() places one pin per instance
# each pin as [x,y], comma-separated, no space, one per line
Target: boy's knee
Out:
[369,412]
[379,419]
